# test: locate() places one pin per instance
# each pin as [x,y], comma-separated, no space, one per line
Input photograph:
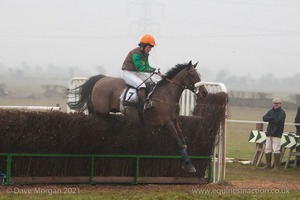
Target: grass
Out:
[234,172]
[237,171]
[238,133]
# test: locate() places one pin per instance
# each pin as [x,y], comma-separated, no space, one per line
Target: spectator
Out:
[275,118]
[297,121]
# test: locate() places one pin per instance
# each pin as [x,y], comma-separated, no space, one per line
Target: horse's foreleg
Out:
[187,164]
[180,133]
[174,134]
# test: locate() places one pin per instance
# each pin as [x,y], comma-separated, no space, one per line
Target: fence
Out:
[32,108]
[187,104]
[74,83]
[92,179]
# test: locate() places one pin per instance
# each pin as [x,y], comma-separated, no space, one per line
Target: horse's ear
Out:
[195,65]
[190,63]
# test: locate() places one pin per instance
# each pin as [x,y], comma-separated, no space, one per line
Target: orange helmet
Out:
[148,39]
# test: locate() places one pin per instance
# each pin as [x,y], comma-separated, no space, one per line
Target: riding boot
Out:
[142,97]
[268,161]
[276,162]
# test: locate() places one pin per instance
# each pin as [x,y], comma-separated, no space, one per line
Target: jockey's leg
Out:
[142,98]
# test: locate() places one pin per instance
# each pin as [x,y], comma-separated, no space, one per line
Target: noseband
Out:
[194,87]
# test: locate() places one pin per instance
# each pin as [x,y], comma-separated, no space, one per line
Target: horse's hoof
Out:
[188,167]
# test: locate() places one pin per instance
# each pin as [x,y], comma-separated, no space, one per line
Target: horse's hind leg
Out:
[90,107]
[187,164]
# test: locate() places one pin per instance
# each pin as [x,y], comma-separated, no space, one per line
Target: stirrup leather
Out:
[148,104]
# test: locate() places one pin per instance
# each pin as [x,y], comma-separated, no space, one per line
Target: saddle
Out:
[129,97]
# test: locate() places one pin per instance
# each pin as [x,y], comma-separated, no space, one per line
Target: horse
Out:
[101,95]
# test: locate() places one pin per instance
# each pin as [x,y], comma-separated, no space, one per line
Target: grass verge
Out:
[242,182]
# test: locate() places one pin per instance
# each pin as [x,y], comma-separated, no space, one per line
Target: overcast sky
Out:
[240,36]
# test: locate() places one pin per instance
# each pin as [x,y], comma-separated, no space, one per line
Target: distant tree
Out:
[253,95]
[38,68]
[100,69]
[263,95]
[25,66]
[267,80]
[3,91]
[71,71]
[237,94]
[232,94]
[19,74]
[51,90]
[296,98]
[222,75]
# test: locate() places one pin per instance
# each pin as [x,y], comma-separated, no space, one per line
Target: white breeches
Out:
[273,144]
[136,79]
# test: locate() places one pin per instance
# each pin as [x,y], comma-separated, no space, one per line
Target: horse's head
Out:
[187,77]
[193,81]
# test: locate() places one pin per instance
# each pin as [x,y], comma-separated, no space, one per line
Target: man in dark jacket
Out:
[297,121]
[275,118]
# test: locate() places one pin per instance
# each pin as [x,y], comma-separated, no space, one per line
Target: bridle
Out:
[194,87]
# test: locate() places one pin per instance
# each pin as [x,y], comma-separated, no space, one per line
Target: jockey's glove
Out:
[152,69]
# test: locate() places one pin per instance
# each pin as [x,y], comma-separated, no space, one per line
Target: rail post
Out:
[136,176]
[259,147]
[210,166]
[92,173]
[7,180]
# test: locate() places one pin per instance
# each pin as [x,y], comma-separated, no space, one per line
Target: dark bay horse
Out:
[101,95]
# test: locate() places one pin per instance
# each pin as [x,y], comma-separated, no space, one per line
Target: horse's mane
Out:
[172,72]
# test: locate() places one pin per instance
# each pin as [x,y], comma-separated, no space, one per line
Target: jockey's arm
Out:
[140,65]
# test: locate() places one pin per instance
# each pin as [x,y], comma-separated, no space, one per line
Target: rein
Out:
[194,88]
[169,80]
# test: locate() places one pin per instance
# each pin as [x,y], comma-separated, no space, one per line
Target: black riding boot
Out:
[142,97]
[268,161]
[276,161]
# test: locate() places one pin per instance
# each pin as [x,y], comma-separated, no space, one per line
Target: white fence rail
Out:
[74,83]
[187,100]
[32,108]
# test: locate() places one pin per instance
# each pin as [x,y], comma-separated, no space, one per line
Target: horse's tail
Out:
[84,92]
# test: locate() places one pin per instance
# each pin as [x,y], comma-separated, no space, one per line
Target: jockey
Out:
[136,66]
